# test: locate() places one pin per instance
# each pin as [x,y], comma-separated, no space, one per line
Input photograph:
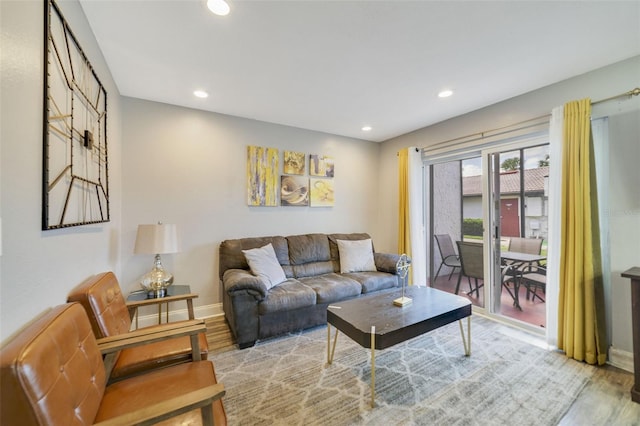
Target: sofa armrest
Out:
[386,262]
[240,279]
[201,398]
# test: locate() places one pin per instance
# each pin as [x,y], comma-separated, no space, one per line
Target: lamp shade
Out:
[156,239]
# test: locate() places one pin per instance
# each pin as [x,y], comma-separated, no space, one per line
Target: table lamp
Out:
[156,239]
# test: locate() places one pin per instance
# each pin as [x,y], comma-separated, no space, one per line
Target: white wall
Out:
[38,268]
[599,84]
[623,215]
[188,167]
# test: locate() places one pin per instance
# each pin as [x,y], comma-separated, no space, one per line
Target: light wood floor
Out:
[605,400]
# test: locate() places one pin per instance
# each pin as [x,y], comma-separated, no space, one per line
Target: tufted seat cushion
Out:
[101,297]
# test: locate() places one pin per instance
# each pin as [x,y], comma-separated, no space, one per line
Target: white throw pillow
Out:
[356,256]
[264,264]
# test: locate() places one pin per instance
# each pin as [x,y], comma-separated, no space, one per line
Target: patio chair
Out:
[525,245]
[471,264]
[513,273]
[52,373]
[534,279]
[101,297]
[511,278]
[447,253]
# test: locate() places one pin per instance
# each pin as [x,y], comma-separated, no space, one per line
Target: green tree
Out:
[545,162]
[511,164]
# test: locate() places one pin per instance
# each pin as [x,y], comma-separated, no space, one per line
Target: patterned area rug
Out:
[425,381]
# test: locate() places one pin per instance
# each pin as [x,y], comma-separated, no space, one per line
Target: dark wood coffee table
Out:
[375,322]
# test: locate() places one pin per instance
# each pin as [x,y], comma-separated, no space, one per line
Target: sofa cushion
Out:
[264,264]
[356,256]
[333,287]
[374,281]
[291,294]
[231,256]
[308,248]
[309,255]
[333,246]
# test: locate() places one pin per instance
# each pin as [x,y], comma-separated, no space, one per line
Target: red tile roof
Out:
[509,182]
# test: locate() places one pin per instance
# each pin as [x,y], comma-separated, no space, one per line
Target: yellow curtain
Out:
[404,236]
[580,315]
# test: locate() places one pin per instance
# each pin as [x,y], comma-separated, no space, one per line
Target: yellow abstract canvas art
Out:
[321,191]
[294,163]
[262,176]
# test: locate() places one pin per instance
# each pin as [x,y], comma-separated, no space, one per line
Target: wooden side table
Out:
[634,274]
[175,293]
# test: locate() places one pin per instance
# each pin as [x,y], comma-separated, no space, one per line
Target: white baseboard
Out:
[621,359]
[205,311]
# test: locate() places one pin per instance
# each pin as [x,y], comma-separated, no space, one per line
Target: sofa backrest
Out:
[52,372]
[309,255]
[231,256]
[333,245]
[300,255]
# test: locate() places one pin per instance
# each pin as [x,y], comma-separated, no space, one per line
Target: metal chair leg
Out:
[458,284]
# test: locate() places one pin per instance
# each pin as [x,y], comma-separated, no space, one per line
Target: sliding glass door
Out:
[518,211]
[491,204]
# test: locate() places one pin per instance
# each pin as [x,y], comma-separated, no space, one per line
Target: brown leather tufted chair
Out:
[101,297]
[52,373]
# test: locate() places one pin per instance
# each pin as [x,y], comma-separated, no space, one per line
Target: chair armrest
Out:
[166,299]
[201,398]
[110,346]
[151,334]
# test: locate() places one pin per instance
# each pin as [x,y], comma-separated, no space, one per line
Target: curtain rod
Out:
[480,135]
[630,93]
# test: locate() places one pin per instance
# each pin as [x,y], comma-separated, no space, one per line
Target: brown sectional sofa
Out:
[311,263]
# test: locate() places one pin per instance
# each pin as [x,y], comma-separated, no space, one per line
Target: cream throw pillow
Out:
[356,256]
[264,264]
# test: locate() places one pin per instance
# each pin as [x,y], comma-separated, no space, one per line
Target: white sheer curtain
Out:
[600,136]
[416,218]
[555,205]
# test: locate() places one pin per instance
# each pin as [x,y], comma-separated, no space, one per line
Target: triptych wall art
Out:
[296,188]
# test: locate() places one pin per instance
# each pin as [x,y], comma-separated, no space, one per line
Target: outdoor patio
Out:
[533,312]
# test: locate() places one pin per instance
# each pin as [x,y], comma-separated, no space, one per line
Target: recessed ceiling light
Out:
[445,93]
[219,7]
[366,129]
[201,94]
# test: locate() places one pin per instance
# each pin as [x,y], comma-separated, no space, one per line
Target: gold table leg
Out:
[466,342]
[331,351]
[373,366]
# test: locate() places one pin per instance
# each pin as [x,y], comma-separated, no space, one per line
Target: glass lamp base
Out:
[157,280]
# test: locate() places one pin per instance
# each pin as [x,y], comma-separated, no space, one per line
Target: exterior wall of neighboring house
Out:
[472,207]
[447,208]
[536,210]
[535,199]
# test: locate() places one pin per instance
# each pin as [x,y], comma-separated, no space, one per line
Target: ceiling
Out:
[336,66]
